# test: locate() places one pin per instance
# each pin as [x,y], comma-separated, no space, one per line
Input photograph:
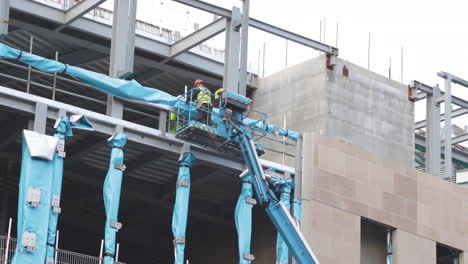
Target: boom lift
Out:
[228,133]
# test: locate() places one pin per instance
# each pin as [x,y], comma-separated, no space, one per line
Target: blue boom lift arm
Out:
[228,130]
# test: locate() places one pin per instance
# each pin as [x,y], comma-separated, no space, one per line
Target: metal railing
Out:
[142,109]
[63,256]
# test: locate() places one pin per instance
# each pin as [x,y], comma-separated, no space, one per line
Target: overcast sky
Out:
[433,33]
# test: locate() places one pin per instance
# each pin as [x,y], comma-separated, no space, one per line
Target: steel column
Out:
[4,17]
[40,118]
[448,128]
[162,122]
[244,48]
[231,60]
[298,170]
[433,133]
[122,48]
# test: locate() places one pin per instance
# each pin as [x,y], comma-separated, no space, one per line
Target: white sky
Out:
[433,33]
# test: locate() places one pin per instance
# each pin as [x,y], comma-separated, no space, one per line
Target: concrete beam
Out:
[196,38]
[4,17]
[79,10]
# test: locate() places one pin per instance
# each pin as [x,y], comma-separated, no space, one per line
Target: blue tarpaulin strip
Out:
[297,210]
[37,173]
[112,188]
[243,217]
[180,214]
[127,89]
[56,190]
[63,129]
[117,87]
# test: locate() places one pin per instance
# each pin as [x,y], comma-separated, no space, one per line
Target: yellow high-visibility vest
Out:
[204,96]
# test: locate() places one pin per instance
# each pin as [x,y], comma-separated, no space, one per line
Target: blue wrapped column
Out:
[34,201]
[180,214]
[63,128]
[282,251]
[243,218]
[112,188]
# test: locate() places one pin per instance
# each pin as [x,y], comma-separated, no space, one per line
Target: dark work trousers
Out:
[204,114]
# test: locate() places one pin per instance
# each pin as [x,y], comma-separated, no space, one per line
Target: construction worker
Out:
[202,96]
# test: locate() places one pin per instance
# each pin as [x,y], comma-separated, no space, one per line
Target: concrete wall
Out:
[334,234]
[360,183]
[410,248]
[364,109]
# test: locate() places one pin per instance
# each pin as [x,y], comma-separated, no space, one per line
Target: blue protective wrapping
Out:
[269,128]
[284,187]
[112,188]
[181,206]
[289,134]
[117,87]
[297,210]
[63,128]
[243,217]
[37,173]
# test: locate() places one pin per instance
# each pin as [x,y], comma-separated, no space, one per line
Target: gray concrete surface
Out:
[365,109]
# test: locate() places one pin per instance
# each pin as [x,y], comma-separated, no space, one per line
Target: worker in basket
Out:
[202,96]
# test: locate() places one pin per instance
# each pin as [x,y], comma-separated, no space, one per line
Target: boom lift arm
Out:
[229,130]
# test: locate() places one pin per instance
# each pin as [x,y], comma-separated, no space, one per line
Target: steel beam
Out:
[4,17]
[122,48]
[141,59]
[79,10]
[428,90]
[458,155]
[196,38]
[145,45]
[329,50]
[244,48]
[455,113]
[458,139]
[26,103]
[453,78]
[232,48]
[433,133]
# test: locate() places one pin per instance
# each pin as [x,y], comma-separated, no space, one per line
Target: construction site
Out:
[132,141]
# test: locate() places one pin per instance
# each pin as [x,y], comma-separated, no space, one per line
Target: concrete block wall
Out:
[361,184]
[365,109]
[410,248]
